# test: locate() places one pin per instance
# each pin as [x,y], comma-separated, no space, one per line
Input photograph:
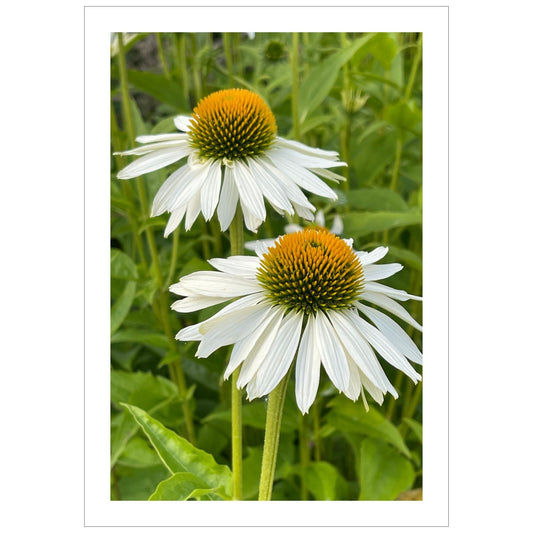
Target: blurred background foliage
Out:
[357,94]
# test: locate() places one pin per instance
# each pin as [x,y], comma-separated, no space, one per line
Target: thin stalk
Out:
[161,53]
[226,37]
[414,68]
[315,412]
[294,100]
[304,452]
[276,399]
[236,233]
[162,300]
[173,256]
[195,70]
[182,61]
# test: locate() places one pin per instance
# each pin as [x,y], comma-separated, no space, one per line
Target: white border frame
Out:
[433,22]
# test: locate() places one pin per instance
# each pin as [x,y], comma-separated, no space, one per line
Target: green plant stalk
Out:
[229,59]
[195,71]
[161,54]
[181,53]
[163,293]
[126,190]
[173,256]
[304,453]
[236,233]
[414,68]
[276,399]
[294,100]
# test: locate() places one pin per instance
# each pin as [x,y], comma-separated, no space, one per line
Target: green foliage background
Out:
[358,94]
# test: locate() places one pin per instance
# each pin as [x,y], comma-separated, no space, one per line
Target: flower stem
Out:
[295,112]
[162,301]
[276,399]
[236,234]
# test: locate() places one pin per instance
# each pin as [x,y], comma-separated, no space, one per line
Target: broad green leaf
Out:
[183,486]
[351,417]
[384,473]
[404,115]
[373,155]
[416,427]
[179,455]
[376,200]
[160,87]
[122,266]
[321,78]
[121,307]
[406,257]
[138,454]
[324,481]
[360,224]
[140,336]
[136,484]
[383,47]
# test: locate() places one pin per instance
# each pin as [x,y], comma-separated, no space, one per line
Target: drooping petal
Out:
[182,122]
[243,348]
[193,210]
[396,335]
[385,348]
[389,291]
[211,190]
[391,306]
[174,220]
[230,328]
[229,197]
[358,349]
[278,361]
[307,367]
[367,258]
[260,349]
[194,303]
[333,357]
[249,192]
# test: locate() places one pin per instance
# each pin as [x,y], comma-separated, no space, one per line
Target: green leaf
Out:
[160,87]
[360,224]
[324,481]
[415,427]
[183,486]
[140,336]
[122,306]
[351,417]
[404,115]
[376,200]
[321,78]
[138,454]
[383,47]
[179,455]
[406,257]
[384,473]
[122,266]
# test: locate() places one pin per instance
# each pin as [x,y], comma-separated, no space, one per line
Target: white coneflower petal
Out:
[301,297]
[382,345]
[376,272]
[154,160]
[403,296]
[307,367]
[235,130]
[392,307]
[279,359]
[394,333]
[229,197]
[333,356]
[210,191]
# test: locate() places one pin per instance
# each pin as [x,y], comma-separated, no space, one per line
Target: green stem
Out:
[161,53]
[414,68]
[276,399]
[236,234]
[236,436]
[182,61]
[295,111]
[162,301]
[173,257]
[304,452]
[229,59]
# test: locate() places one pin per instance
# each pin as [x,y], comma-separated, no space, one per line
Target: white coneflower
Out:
[234,155]
[303,298]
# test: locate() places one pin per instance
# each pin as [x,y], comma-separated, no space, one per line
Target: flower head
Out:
[303,298]
[233,155]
